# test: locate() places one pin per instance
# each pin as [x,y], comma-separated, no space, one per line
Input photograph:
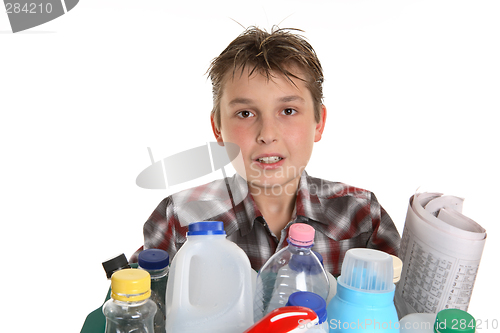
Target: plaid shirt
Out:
[343,216]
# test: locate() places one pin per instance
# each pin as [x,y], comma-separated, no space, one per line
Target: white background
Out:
[412,91]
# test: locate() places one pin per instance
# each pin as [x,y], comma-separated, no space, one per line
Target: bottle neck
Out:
[156,273]
[123,303]
[297,248]
[206,237]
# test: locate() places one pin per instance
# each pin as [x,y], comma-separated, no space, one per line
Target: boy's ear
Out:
[217,133]
[320,126]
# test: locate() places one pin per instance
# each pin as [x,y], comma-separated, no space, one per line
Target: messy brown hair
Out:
[276,52]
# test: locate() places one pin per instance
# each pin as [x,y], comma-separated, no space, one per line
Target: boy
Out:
[267,90]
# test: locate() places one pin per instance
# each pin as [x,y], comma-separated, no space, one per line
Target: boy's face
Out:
[272,121]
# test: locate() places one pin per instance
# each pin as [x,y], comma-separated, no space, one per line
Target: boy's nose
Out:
[268,133]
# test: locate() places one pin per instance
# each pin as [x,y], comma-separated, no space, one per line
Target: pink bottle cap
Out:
[301,234]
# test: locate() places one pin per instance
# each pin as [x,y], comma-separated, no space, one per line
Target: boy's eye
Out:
[288,112]
[245,114]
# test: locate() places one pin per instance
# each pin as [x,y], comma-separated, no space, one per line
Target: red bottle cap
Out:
[284,320]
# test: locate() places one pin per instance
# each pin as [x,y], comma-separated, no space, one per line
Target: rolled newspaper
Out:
[441,250]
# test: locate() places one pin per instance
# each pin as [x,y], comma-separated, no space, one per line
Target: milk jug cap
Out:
[309,300]
[367,270]
[301,234]
[206,228]
[454,321]
[153,259]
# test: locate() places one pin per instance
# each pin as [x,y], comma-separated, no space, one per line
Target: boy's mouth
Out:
[269,159]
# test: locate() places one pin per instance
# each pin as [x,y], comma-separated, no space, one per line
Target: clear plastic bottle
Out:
[331,279]
[130,310]
[293,268]
[155,262]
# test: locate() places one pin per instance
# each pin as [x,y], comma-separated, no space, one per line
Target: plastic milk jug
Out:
[209,288]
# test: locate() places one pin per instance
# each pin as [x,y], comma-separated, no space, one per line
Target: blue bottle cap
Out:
[206,228]
[309,300]
[153,259]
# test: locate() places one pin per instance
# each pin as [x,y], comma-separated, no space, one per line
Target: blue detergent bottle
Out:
[365,294]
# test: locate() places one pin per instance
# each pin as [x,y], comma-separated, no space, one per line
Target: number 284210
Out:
[28,8]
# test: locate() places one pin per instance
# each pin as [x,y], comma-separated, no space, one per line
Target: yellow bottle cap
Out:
[130,285]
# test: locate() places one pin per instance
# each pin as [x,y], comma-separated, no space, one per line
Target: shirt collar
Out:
[245,209]
[307,204]
[229,200]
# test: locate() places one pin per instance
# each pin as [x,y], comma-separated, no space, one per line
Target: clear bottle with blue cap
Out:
[209,288]
[314,302]
[155,262]
[365,294]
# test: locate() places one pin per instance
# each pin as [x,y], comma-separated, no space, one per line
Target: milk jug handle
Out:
[181,286]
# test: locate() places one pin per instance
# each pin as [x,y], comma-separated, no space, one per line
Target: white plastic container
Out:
[418,323]
[446,321]
[397,264]
[209,288]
